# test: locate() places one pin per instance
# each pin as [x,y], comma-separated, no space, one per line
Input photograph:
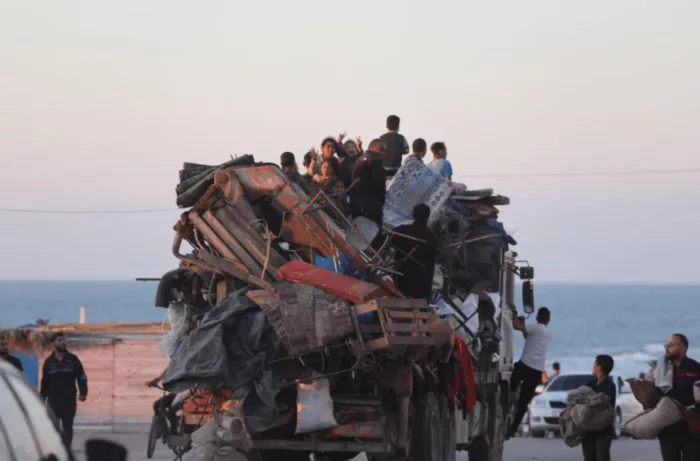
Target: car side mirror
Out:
[528,297]
[104,450]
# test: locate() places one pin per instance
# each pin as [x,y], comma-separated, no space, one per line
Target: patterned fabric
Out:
[415,183]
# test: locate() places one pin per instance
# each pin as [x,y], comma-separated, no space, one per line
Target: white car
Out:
[28,430]
[544,410]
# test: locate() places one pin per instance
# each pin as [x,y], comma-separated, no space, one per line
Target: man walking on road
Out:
[527,372]
[60,373]
[677,442]
[5,353]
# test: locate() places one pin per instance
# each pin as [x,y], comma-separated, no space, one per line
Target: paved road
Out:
[516,449]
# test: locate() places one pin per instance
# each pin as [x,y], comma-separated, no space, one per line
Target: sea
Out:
[629,322]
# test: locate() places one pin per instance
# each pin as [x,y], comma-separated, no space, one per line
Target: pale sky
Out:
[101,103]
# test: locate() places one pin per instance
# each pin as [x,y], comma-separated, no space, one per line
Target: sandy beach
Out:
[516,450]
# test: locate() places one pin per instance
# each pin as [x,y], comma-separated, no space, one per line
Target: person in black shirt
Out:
[289,167]
[416,255]
[5,354]
[367,197]
[676,441]
[59,375]
[396,144]
[596,445]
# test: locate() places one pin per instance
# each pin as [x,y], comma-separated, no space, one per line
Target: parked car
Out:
[544,410]
[28,429]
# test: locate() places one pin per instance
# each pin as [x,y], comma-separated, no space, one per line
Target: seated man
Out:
[163,407]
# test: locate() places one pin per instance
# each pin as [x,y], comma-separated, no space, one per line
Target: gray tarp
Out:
[233,347]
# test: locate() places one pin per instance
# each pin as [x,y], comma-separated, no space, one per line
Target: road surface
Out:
[516,449]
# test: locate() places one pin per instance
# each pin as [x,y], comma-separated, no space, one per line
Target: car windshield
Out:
[569,382]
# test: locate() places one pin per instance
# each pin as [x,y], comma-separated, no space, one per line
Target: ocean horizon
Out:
[631,322]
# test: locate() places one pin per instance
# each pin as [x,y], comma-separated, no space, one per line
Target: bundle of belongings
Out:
[660,410]
[586,411]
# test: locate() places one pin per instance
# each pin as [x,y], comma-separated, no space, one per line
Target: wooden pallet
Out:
[404,327]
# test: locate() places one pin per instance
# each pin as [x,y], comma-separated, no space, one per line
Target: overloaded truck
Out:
[285,317]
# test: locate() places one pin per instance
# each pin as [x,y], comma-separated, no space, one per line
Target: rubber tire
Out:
[335,456]
[449,429]
[278,455]
[427,442]
[152,438]
[479,449]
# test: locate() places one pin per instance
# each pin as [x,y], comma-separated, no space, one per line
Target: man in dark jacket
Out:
[677,443]
[397,146]
[416,247]
[368,194]
[596,445]
[60,373]
[5,354]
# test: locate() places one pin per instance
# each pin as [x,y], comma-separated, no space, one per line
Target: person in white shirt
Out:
[528,370]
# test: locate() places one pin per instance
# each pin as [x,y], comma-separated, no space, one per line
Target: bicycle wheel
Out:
[152,437]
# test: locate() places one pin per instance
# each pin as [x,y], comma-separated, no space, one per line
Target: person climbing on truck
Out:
[527,372]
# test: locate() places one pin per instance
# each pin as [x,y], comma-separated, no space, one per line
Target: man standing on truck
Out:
[396,144]
[59,375]
[677,442]
[416,247]
[527,372]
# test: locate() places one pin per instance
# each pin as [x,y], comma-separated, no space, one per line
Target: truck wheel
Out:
[480,449]
[449,435]
[277,455]
[334,456]
[427,438]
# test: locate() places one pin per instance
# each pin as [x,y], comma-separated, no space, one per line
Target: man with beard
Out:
[60,373]
[677,443]
[5,354]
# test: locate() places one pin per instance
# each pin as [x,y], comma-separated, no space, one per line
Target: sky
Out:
[102,102]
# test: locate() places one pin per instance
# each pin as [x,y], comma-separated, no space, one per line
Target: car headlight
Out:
[541,404]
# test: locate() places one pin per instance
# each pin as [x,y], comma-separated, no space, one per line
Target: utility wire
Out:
[37,211]
[589,173]
[496,175]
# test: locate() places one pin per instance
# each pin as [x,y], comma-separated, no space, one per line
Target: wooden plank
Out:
[411,315]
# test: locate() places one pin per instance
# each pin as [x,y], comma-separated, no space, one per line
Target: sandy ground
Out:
[516,449]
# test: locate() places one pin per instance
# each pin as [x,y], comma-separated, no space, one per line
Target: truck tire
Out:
[449,434]
[427,432]
[277,455]
[334,456]
[480,449]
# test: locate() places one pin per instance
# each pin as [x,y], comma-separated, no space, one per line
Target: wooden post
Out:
[82,315]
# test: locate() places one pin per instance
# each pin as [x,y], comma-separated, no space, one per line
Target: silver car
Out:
[28,430]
